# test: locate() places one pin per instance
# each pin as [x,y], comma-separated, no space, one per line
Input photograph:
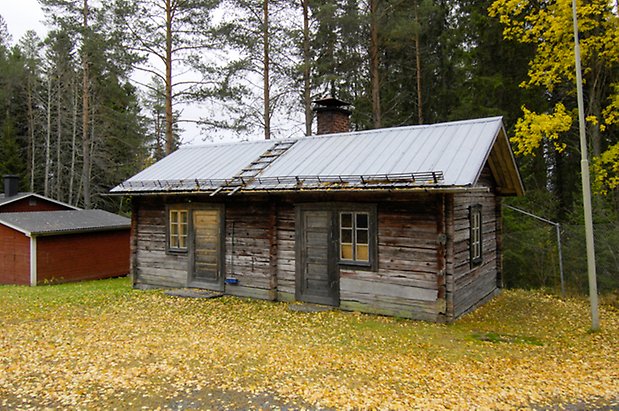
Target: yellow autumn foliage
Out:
[606,170]
[102,345]
[547,24]
[533,128]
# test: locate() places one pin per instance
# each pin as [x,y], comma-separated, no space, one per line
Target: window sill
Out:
[176,251]
[356,265]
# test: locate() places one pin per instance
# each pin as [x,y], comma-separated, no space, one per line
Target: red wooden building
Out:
[61,246]
[12,201]
[46,241]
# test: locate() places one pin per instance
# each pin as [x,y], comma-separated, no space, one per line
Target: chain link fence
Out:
[531,256]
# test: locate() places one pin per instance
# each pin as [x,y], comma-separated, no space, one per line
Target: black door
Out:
[316,280]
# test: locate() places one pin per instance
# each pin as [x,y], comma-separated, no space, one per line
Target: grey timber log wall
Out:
[286,268]
[423,268]
[472,285]
[407,282]
[248,249]
[152,265]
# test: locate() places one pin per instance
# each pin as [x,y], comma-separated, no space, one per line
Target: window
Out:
[178,229]
[355,237]
[475,235]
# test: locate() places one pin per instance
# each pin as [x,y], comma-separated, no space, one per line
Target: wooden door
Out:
[316,280]
[206,250]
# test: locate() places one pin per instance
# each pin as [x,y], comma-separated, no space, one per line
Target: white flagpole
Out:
[586,184]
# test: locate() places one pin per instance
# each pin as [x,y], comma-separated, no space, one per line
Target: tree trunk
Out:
[85,113]
[374,64]
[48,137]
[307,91]
[31,142]
[266,63]
[418,63]
[58,187]
[74,97]
[169,117]
[594,108]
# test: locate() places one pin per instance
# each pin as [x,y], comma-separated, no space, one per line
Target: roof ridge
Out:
[347,133]
[236,143]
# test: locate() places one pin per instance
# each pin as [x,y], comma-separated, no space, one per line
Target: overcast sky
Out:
[21,16]
[24,15]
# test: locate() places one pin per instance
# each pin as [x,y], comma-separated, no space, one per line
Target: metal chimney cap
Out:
[330,101]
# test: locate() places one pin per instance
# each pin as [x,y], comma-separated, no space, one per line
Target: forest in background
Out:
[75,121]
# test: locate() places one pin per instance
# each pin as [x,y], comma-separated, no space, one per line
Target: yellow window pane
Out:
[183,229]
[183,218]
[173,241]
[346,252]
[173,229]
[182,243]
[363,253]
[173,216]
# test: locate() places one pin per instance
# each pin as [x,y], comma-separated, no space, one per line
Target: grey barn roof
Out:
[446,155]
[38,223]
[7,200]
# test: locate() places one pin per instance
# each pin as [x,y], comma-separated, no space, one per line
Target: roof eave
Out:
[78,231]
[503,166]
[451,189]
[26,195]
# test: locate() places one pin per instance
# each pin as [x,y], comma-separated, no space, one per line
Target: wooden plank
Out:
[351,286]
[415,312]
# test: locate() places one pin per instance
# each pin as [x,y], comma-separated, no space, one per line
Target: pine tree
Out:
[171,36]
[31,46]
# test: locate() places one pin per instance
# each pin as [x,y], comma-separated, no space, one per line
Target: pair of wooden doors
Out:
[317,279]
[207,269]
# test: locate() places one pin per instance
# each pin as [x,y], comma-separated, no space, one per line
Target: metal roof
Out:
[61,222]
[446,155]
[196,168]
[7,200]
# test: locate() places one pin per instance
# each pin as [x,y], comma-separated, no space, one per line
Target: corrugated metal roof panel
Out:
[195,167]
[458,149]
[442,155]
[52,222]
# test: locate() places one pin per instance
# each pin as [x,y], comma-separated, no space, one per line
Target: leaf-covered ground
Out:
[102,345]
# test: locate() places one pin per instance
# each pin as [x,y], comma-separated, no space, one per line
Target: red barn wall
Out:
[32,204]
[86,256]
[14,257]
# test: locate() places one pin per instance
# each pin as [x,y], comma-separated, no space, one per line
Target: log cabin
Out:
[402,221]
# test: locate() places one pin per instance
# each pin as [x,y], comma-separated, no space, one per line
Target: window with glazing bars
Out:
[475,235]
[178,229]
[355,237]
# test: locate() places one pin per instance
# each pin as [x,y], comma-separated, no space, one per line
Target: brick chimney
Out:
[11,185]
[332,116]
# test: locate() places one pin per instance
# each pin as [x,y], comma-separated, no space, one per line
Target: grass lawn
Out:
[102,345]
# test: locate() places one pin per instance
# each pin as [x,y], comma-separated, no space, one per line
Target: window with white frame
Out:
[355,237]
[475,243]
[178,229]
